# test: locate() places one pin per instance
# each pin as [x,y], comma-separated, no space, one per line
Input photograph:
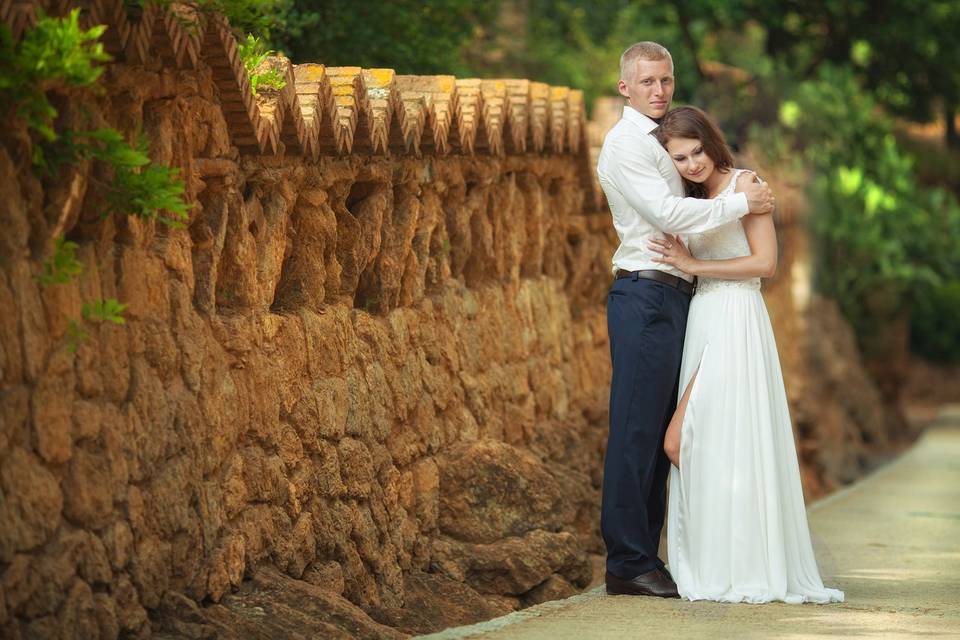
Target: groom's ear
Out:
[622,88]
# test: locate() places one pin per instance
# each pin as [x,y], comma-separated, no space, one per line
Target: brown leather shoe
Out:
[652,583]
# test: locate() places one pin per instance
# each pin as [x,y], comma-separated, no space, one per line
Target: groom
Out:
[647,316]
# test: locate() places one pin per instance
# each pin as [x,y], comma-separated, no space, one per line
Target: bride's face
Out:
[691,160]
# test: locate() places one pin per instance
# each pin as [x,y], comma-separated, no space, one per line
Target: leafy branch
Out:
[55,53]
[58,54]
[75,335]
[98,311]
[62,266]
[138,186]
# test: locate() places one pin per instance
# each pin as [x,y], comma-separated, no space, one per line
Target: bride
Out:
[737,527]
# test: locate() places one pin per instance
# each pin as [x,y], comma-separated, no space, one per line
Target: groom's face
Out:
[650,88]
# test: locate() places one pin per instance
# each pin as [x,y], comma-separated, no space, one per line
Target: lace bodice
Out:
[726,241]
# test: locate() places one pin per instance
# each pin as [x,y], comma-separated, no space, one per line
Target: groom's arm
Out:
[634,173]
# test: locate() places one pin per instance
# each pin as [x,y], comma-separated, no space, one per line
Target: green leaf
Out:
[109,310]
[789,114]
[860,52]
[849,179]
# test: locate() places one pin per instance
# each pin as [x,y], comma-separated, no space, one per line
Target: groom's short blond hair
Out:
[642,51]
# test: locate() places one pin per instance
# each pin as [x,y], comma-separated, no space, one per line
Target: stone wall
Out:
[363,394]
[375,360]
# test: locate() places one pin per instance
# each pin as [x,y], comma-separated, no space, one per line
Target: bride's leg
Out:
[671,440]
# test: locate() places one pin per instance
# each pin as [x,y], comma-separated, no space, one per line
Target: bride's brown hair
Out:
[694,124]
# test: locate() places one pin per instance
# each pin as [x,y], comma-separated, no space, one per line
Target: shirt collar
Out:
[646,124]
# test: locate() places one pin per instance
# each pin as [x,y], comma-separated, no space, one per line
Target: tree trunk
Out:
[949,117]
[689,40]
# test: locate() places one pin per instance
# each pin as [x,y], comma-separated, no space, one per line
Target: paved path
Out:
[891,542]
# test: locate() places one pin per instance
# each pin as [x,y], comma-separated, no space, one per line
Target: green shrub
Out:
[260,17]
[934,325]
[253,53]
[883,243]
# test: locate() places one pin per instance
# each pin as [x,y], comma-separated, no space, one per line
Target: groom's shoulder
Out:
[622,128]
[626,137]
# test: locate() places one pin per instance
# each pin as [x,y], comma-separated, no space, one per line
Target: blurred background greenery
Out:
[859,97]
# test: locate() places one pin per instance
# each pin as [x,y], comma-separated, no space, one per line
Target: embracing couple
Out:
[697,392]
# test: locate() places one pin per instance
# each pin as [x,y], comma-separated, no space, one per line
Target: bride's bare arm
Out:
[762,261]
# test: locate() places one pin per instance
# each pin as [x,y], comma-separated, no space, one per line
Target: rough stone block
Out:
[30,503]
[490,490]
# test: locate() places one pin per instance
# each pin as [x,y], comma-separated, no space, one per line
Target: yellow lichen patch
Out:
[379,82]
[497,87]
[379,77]
[446,84]
[310,72]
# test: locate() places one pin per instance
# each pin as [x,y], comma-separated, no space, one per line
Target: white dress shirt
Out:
[645,194]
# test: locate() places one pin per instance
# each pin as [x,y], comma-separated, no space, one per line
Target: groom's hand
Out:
[759,195]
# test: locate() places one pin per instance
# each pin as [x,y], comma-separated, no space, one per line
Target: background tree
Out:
[906,52]
[410,36]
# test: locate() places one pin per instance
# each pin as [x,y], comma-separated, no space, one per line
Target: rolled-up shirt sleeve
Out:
[634,173]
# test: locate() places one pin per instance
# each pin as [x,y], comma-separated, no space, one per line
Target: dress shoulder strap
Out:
[733,181]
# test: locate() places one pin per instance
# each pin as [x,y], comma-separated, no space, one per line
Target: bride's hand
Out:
[673,252]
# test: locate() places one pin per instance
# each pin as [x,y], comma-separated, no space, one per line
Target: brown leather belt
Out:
[653,274]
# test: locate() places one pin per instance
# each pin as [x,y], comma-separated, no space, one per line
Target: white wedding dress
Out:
[737,525]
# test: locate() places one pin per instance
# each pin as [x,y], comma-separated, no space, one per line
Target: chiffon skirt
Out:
[737,524]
